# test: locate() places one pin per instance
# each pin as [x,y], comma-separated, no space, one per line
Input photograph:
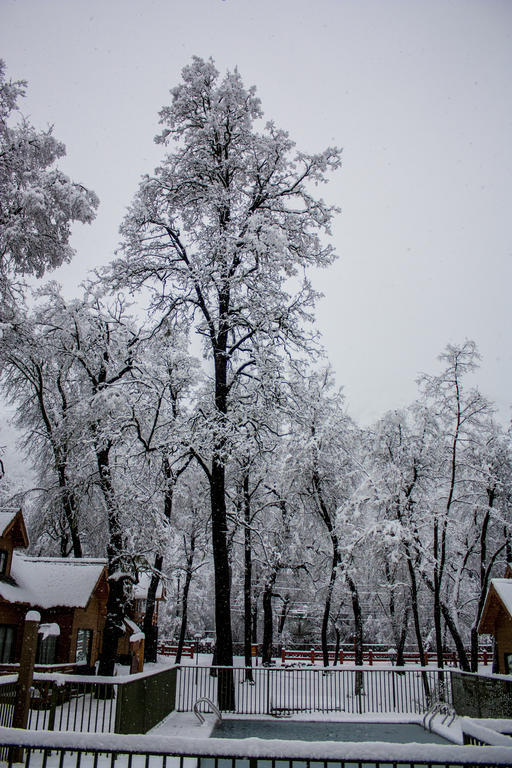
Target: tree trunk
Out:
[400,646]
[217,477]
[68,507]
[283,614]
[485,573]
[60,453]
[266,650]
[452,628]
[224,641]
[151,630]
[336,559]
[413,585]
[116,602]
[358,634]
[254,621]
[114,627]
[474,648]
[328,600]
[439,546]
[338,645]
[358,621]
[457,639]
[247,579]
[438,626]
[184,601]
[399,635]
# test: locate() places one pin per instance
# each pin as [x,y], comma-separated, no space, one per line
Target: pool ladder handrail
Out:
[439,708]
[199,714]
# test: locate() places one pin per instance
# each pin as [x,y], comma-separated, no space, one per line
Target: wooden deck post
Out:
[25,677]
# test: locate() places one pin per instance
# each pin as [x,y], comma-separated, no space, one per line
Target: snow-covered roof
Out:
[7,515]
[51,582]
[140,590]
[504,589]
[12,524]
[499,594]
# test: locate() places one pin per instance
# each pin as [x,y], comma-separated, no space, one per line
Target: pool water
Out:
[397,733]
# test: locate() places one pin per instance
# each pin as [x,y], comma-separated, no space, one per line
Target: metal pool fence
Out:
[36,749]
[72,703]
[135,703]
[63,703]
[267,690]
[124,704]
[8,688]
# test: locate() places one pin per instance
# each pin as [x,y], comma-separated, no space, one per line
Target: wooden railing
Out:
[169,649]
[9,669]
[313,656]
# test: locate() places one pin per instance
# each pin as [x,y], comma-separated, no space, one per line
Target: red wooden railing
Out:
[166,649]
[369,657]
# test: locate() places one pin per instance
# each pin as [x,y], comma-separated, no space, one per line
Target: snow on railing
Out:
[107,747]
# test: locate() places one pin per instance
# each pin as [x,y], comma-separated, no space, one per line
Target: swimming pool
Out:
[299,730]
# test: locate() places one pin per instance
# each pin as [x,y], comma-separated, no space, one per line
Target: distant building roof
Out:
[51,582]
[7,514]
[13,524]
[504,589]
[140,590]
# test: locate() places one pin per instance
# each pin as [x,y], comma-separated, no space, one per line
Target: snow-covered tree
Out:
[490,543]
[221,234]
[457,415]
[38,202]
[396,488]
[161,432]
[69,370]
[323,458]
[38,380]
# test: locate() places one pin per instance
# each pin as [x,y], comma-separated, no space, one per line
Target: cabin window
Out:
[4,557]
[47,650]
[7,643]
[83,646]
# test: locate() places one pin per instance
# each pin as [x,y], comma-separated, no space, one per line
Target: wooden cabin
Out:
[70,594]
[497,620]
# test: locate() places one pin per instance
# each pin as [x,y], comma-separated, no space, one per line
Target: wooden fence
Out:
[370,657]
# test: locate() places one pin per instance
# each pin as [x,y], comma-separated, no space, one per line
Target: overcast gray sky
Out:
[417,92]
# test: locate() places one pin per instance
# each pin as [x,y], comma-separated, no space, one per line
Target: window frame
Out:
[46,649]
[7,630]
